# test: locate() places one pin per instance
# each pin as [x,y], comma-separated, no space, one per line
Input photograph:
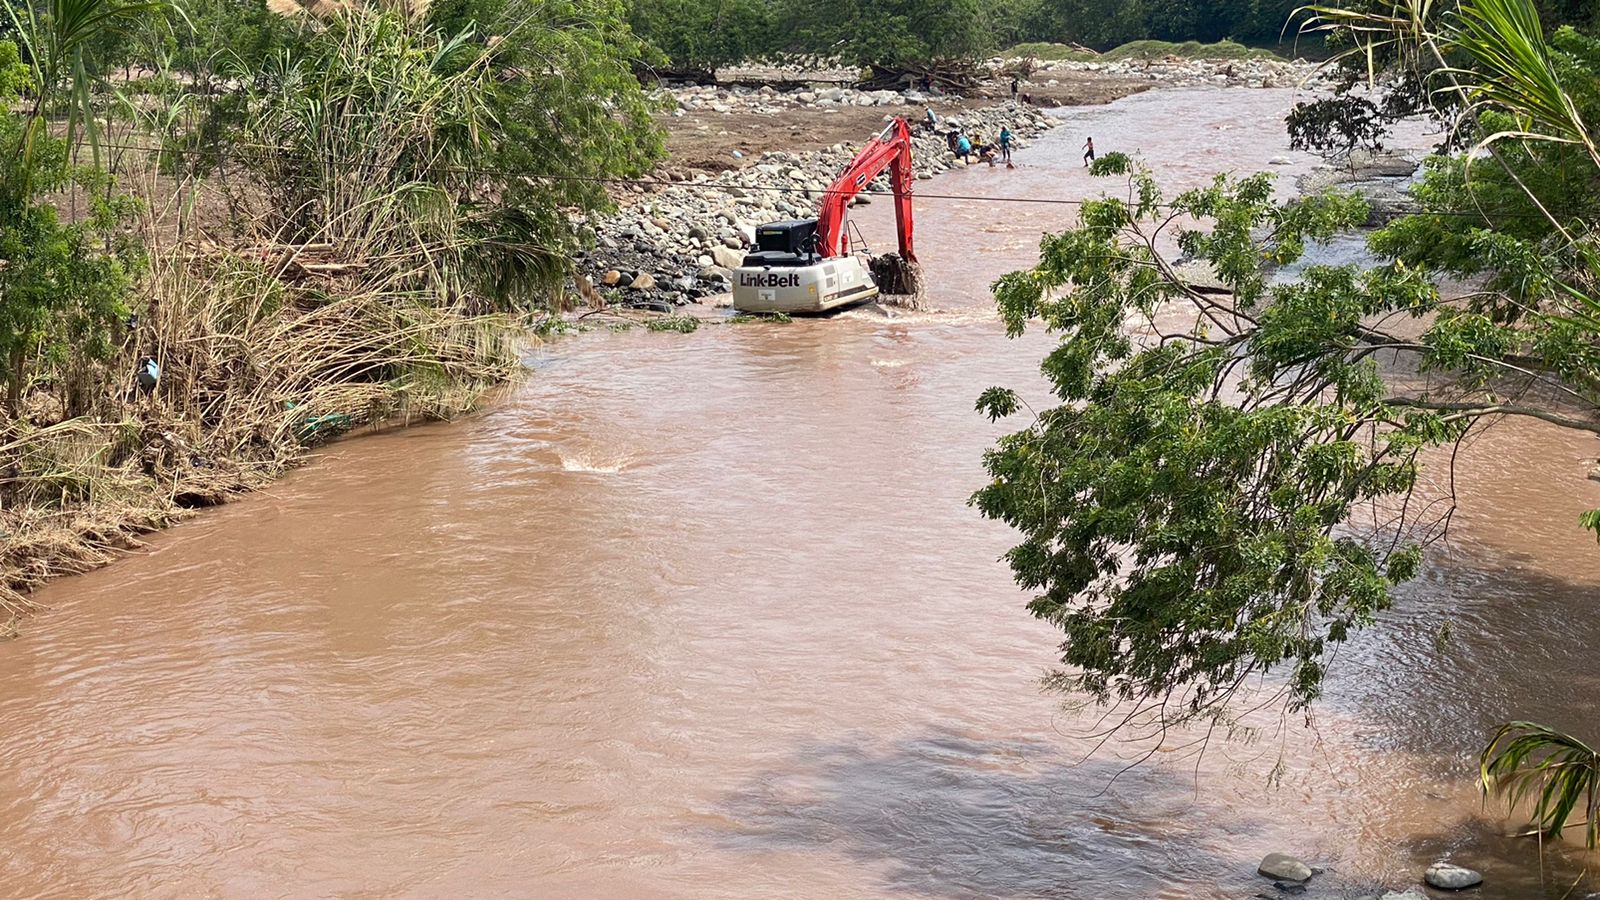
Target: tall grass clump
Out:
[375,140]
[344,231]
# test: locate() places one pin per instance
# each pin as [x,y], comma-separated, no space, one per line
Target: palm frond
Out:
[1511,70]
[1559,774]
[57,40]
[1404,29]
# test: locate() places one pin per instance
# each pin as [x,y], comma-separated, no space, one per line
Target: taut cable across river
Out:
[708,616]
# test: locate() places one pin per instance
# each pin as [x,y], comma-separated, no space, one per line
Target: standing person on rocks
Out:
[1088,152]
[1005,146]
[931,120]
[1015,86]
[964,148]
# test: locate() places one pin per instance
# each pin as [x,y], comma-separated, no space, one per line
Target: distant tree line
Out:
[697,36]
[1103,24]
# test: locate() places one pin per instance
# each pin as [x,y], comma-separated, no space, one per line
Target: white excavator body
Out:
[827,285]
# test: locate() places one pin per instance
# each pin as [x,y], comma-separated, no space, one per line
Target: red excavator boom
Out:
[891,150]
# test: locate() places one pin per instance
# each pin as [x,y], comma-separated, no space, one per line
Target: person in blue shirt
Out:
[964,148]
[1005,145]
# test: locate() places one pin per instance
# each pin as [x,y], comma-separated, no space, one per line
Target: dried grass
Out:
[254,371]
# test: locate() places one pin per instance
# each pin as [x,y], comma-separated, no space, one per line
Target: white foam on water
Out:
[584,462]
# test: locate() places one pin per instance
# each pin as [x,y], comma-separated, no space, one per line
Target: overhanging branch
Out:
[1478,410]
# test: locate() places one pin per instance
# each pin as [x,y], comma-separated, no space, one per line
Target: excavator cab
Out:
[791,243]
[796,236]
[804,265]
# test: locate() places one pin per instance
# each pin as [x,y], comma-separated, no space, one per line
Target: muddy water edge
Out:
[707,616]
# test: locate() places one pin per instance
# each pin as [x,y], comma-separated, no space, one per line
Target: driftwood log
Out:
[954,76]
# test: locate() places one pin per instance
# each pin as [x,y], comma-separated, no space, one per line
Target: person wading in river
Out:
[1088,152]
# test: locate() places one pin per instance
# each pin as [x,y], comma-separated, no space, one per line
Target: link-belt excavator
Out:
[807,265]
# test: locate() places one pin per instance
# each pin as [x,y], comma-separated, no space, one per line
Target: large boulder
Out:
[1284,867]
[726,257]
[644,282]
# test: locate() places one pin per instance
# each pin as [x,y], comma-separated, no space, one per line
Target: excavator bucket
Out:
[899,280]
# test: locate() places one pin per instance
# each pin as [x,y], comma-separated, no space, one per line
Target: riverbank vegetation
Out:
[232,233]
[1221,499]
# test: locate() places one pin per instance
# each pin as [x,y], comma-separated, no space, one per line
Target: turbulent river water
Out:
[706,616]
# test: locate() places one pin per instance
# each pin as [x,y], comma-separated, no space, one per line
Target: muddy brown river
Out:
[706,616]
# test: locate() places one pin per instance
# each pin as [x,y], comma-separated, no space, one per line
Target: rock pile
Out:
[1174,71]
[771,101]
[681,242]
[1177,71]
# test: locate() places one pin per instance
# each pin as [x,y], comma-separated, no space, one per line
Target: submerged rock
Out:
[1283,867]
[1451,877]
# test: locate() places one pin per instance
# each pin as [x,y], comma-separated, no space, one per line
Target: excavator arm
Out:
[890,150]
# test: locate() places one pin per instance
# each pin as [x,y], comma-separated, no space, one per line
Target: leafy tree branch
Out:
[1188,512]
